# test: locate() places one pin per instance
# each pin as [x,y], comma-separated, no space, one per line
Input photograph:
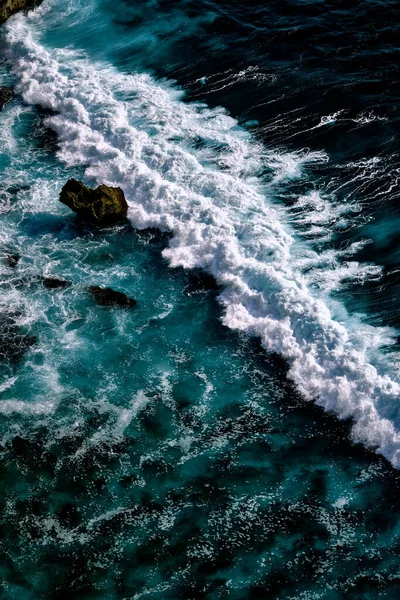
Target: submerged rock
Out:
[9,7]
[104,205]
[52,283]
[110,297]
[11,260]
[5,95]
[200,282]
[14,340]
[14,189]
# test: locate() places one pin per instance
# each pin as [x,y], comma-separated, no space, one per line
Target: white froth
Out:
[191,170]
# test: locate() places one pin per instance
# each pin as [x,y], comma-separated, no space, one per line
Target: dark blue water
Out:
[237,434]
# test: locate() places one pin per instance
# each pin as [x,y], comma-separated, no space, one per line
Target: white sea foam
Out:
[193,171]
[10,407]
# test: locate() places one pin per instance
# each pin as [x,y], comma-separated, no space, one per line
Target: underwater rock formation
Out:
[11,260]
[110,297]
[104,205]
[53,283]
[14,340]
[5,95]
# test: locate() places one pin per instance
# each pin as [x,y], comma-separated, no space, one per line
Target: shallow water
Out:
[172,451]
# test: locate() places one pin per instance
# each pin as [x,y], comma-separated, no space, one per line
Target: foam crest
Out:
[193,171]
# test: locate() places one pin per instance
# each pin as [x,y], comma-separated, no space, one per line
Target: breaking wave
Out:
[192,170]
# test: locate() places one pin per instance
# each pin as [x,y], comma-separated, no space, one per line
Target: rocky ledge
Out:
[103,206]
[9,7]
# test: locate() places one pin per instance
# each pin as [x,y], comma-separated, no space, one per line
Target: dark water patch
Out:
[40,224]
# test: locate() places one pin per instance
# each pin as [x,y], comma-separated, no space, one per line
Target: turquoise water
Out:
[178,450]
[158,454]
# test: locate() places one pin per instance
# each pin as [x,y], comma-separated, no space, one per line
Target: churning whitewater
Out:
[191,170]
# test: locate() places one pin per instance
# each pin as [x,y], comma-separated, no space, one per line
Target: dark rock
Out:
[201,282]
[109,297]
[104,205]
[5,95]
[14,341]
[9,7]
[52,283]
[42,136]
[14,189]
[11,260]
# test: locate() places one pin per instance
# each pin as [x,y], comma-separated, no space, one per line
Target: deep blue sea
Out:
[236,435]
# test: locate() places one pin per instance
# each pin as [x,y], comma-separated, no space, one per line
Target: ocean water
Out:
[237,435]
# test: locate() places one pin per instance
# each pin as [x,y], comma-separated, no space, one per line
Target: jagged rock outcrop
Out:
[9,7]
[104,205]
[110,297]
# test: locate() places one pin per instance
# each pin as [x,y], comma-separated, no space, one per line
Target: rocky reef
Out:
[9,7]
[110,297]
[103,206]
